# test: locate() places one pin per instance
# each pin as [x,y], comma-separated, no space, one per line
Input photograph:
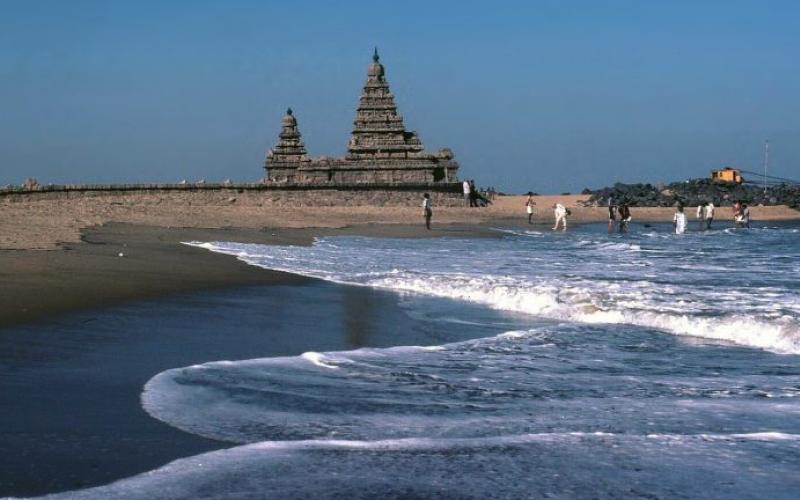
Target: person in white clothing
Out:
[427,212]
[560,212]
[679,221]
[467,190]
[709,214]
[701,217]
[745,216]
[529,206]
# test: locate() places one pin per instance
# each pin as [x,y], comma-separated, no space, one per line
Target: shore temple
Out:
[380,150]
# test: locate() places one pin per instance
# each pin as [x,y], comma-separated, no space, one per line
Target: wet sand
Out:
[39,284]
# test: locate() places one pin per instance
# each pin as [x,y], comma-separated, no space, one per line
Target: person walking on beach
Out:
[466,187]
[560,212]
[427,212]
[612,214]
[709,214]
[624,217]
[679,221]
[529,203]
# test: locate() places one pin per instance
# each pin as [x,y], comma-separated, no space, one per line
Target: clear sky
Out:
[545,95]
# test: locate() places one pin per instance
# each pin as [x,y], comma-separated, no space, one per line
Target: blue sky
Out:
[545,95]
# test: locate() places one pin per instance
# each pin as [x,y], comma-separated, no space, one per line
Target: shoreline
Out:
[41,223]
[73,385]
[73,367]
[39,285]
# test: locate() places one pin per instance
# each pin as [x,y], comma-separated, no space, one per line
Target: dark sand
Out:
[38,284]
[70,381]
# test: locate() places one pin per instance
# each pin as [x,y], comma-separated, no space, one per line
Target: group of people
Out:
[473,197]
[741,214]
[560,211]
[619,215]
[705,216]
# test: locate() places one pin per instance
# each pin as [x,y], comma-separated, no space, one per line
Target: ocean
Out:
[545,364]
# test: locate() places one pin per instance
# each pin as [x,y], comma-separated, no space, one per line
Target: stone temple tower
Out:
[378,130]
[289,153]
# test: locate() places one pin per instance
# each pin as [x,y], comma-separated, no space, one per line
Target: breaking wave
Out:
[693,287]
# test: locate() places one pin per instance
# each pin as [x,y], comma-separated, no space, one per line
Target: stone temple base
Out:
[327,195]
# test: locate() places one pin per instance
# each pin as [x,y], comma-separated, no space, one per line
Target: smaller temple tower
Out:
[289,154]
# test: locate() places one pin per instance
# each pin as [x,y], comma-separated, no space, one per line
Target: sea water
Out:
[640,365]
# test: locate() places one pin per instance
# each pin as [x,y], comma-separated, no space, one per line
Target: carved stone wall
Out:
[248,194]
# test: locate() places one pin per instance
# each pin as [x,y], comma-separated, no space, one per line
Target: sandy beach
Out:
[39,222]
[58,255]
[91,273]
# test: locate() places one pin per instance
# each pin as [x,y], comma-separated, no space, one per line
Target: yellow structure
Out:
[727,174]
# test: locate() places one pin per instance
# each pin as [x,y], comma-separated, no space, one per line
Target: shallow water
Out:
[639,365]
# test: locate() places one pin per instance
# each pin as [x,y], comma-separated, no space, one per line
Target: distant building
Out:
[727,174]
[380,150]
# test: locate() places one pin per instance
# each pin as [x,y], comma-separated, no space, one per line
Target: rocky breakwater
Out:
[695,192]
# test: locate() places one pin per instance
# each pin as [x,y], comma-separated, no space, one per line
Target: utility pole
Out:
[766,162]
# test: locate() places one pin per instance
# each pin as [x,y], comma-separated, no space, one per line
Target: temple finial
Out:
[375,56]
[289,111]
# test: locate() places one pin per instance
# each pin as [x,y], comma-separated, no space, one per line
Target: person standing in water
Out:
[709,214]
[745,216]
[737,213]
[529,207]
[612,214]
[679,221]
[624,217]
[701,215]
[427,212]
[560,212]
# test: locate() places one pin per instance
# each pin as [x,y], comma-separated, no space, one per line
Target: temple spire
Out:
[378,130]
[290,147]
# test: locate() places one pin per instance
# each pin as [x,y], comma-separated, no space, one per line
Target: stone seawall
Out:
[327,195]
[696,191]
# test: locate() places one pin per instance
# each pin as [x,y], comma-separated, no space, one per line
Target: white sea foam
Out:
[473,389]
[320,360]
[586,279]
[576,463]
